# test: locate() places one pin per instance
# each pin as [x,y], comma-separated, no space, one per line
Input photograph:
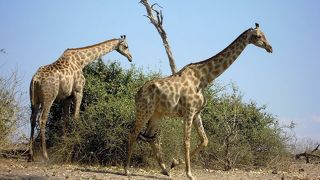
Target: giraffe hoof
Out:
[190,177]
[174,163]
[126,172]
[30,159]
[165,172]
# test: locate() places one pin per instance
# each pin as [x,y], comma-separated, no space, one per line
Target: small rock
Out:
[275,171]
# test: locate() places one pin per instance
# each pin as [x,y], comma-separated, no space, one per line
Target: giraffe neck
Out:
[83,56]
[211,68]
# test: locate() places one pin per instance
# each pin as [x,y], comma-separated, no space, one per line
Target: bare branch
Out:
[161,17]
[157,22]
[308,155]
[156,4]
[316,148]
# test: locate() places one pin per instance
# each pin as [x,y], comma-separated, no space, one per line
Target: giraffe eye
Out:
[259,36]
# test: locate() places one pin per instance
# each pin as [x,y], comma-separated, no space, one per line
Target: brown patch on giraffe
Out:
[89,54]
[209,69]
[82,55]
[234,56]
[196,72]
[216,72]
[161,83]
[186,83]
[190,90]
[163,96]
[227,54]
[162,102]
[171,88]
[225,65]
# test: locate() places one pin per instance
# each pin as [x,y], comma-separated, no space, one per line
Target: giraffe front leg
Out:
[66,113]
[201,133]
[77,102]
[203,138]
[187,134]
[77,96]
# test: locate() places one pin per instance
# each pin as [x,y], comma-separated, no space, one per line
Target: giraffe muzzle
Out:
[269,49]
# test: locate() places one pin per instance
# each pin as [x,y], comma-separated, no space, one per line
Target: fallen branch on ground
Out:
[308,155]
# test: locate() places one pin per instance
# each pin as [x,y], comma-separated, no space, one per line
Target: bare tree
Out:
[157,22]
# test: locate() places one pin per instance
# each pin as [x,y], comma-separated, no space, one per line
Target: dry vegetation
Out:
[245,142]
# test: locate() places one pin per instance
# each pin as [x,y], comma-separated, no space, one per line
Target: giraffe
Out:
[64,80]
[181,95]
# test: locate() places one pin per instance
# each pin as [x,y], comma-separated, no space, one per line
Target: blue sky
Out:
[35,33]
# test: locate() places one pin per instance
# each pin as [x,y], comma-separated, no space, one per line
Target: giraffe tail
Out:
[31,91]
[34,101]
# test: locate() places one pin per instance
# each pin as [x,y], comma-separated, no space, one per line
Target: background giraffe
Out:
[181,95]
[64,80]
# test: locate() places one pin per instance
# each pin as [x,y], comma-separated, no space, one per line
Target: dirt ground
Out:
[21,169]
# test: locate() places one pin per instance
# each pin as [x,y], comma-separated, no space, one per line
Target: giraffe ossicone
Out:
[181,95]
[64,80]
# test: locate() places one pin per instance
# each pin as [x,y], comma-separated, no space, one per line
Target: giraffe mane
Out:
[98,44]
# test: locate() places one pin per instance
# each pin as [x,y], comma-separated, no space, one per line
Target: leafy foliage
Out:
[240,134]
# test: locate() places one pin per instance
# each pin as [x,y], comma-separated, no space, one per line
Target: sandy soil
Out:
[20,169]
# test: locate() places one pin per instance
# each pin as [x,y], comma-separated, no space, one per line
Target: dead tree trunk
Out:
[157,22]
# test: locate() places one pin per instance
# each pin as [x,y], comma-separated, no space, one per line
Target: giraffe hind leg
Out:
[42,123]
[151,133]
[33,120]
[139,123]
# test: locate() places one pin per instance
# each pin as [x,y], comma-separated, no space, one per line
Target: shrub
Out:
[240,134]
[12,110]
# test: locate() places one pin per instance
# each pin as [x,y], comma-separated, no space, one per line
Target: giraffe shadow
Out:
[132,175]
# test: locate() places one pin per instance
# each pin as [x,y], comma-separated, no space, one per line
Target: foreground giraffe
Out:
[181,94]
[64,80]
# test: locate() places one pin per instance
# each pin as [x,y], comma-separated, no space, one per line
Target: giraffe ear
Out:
[257,25]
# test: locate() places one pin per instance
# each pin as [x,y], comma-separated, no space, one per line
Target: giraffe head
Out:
[257,37]
[123,47]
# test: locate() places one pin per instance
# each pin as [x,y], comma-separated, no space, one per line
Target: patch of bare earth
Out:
[21,169]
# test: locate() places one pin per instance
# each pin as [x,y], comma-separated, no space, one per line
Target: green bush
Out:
[107,116]
[240,134]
